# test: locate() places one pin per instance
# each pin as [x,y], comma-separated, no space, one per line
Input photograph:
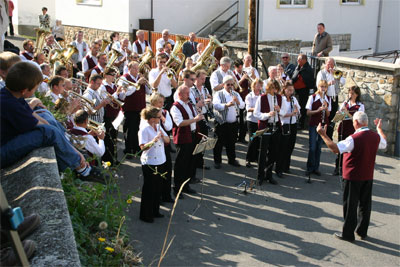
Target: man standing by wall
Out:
[358,172]
[322,43]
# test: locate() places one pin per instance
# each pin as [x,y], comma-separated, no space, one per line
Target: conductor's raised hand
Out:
[378,123]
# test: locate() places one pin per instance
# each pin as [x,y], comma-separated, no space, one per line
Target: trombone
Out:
[95,126]
[126,83]
[87,104]
[115,103]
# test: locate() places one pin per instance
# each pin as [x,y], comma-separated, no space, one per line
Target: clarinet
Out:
[274,125]
[198,111]
[323,111]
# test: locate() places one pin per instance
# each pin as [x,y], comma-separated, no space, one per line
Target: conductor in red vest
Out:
[359,153]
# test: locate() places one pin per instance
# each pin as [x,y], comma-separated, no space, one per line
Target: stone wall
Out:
[34,184]
[91,34]
[380,91]
[343,40]
[290,46]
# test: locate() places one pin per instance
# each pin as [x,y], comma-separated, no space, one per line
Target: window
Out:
[294,3]
[351,2]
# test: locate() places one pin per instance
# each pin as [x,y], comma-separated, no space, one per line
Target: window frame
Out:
[359,3]
[309,4]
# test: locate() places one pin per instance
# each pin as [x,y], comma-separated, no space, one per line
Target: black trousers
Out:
[199,158]
[288,141]
[227,135]
[151,192]
[334,108]
[131,129]
[167,167]
[357,197]
[254,144]
[242,124]
[110,141]
[269,153]
[76,70]
[11,26]
[303,97]
[185,165]
[169,100]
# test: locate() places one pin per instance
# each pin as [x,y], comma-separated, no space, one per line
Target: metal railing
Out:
[234,15]
[382,56]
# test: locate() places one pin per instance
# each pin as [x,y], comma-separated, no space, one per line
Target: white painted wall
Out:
[358,20]
[390,28]
[179,16]
[27,12]
[113,15]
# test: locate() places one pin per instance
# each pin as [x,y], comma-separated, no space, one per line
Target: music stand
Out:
[207,143]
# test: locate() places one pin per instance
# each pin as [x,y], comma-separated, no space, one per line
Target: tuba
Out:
[104,44]
[177,58]
[40,38]
[113,55]
[145,63]
[206,60]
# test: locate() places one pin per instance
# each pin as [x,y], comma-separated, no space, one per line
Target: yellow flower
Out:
[101,239]
[129,201]
[110,249]
[108,164]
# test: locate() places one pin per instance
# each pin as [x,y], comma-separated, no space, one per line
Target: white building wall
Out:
[358,20]
[179,16]
[113,15]
[27,12]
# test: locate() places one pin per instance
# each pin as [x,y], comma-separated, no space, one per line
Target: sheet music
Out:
[118,120]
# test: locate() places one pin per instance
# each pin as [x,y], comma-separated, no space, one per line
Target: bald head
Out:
[183,93]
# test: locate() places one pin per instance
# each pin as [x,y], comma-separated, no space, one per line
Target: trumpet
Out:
[337,74]
[96,126]
[126,83]
[237,85]
[115,103]
[171,73]
[87,104]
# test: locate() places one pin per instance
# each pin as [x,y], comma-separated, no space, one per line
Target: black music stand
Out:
[340,117]
[207,143]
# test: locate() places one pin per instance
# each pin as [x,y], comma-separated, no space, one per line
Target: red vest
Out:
[27,56]
[347,125]
[182,135]
[139,47]
[299,84]
[358,165]
[315,119]
[265,109]
[244,84]
[91,65]
[137,100]
[97,69]
[111,112]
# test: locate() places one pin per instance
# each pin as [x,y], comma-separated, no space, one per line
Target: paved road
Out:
[287,224]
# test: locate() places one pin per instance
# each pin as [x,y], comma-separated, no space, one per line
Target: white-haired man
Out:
[140,45]
[248,68]
[164,39]
[227,103]
[200,48]
[359,152]
[218,75]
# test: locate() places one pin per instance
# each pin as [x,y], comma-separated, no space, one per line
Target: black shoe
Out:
[318,173]
[335,172]
[279,174]
[27,227]
[168,200]
[362,237]
[217,165]
[194,181]
[341,237]
[95,175]
[287,171]
[234,163]
[173,150]
[272,181]
[159,215]
[147,220]
[248,164]
[189,190]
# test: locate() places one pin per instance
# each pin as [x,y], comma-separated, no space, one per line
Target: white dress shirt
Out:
[85,65]
[23,58]
[103,90]
[266,116]
[214,78]
[155,155]
[310,101]
[195,57]
[160,43]
[81,53]
[44,86]
[142,44]
[347,145]
[249,71]
[164,87]
[250,102]
[53,96]
[232,112]
[202,94]
[91,145]
[94,72]
[131,89]
[329,78]
[96,98]
[289,109]
[177,115]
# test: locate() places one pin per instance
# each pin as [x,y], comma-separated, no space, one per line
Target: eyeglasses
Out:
[285,57]
[193,80]
[163,62]
[229,84]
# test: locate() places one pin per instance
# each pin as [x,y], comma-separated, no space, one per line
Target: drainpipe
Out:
[378,30]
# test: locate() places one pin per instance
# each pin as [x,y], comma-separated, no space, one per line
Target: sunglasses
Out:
[229,84]
[163,62]
[285,57]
